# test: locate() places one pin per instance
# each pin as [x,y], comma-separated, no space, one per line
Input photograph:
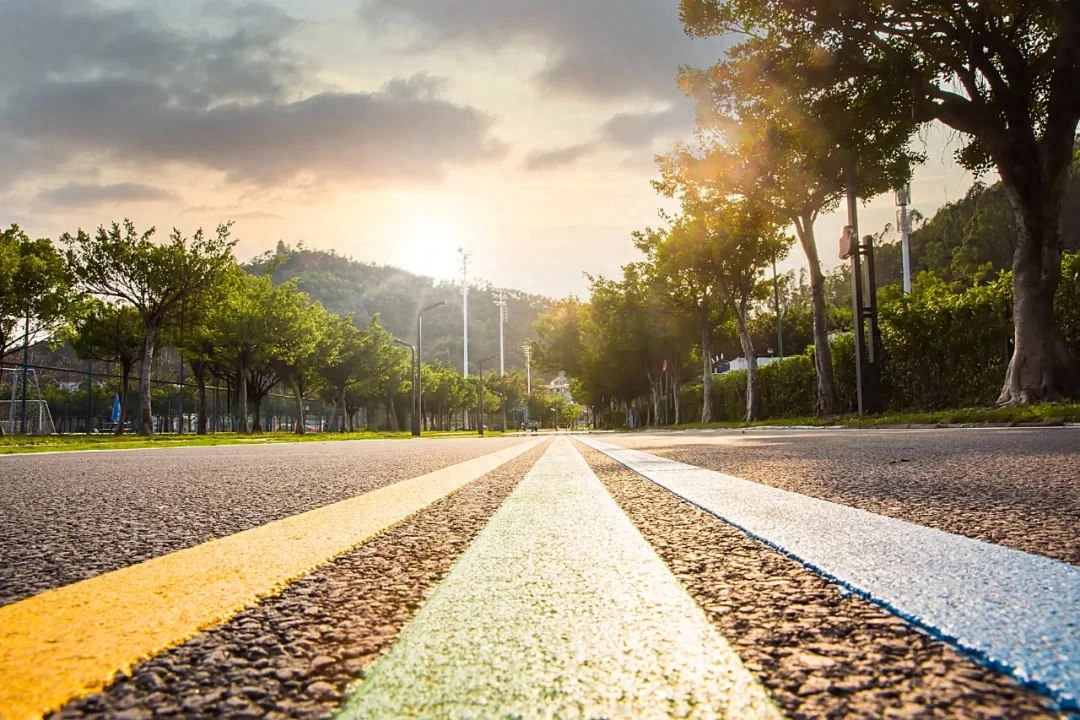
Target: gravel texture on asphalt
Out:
[1014,487]
[821,651]
[560,609]
[71,516]
[293,655]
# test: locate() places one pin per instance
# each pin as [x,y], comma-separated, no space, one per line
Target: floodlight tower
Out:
[500,302]
[527,349]
[465,308]
[903,223]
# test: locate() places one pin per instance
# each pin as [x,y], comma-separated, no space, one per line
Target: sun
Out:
[429,246]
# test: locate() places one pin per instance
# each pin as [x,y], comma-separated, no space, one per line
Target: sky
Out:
[390,131]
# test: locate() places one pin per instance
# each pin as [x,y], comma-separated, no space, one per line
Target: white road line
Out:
[1016,612]
[560,608]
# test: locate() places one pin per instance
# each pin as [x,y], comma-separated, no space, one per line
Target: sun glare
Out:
[429,246]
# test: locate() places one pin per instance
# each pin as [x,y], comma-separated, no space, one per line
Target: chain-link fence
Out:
[66,395]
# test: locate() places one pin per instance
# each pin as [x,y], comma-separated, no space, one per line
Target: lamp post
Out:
[480,396]
[418,392]
[527,349]
[412,371]
[554,419]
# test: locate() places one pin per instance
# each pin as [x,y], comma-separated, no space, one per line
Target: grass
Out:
[1049,414]
[10,444]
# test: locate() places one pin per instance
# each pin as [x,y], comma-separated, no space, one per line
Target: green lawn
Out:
[28,444]
[1055,414]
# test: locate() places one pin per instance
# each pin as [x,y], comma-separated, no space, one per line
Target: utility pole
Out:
[465,308]
[500,302]
[903,223]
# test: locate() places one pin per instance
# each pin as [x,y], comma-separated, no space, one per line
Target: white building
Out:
[740,363]
[560,386]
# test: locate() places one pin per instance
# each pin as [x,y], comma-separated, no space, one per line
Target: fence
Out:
[59,398]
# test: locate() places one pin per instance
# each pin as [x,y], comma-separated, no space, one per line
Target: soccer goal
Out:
[39,419]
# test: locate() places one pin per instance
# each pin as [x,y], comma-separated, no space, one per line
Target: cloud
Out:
[635,130]
[79,195]
[539,160]
[79,79]
[607,49]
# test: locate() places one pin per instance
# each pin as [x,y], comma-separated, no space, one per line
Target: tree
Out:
[743,237]
[1003,74]
[110,332]
[254,323]
[682,263]
[35,290]
[766,135]
[341,373]
[312,346]
[156,280]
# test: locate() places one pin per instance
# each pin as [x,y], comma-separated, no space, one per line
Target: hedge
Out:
[941,349]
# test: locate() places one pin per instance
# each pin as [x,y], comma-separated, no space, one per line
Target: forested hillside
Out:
[974,236]
[347,286]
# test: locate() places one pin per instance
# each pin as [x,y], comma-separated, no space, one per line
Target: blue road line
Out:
[1013,611]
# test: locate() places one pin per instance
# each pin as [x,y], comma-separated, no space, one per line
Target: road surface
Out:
[776,573]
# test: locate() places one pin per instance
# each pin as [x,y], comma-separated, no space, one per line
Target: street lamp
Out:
[480,396]
[554,419]
[412,369]
[418,392]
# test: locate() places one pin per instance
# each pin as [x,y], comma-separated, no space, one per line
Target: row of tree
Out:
[813,102]
[118,296]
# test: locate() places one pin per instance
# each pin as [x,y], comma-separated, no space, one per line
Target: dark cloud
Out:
[557,158]
[80,79]
[395,134]
[596,48]
[77,195]
[634,130]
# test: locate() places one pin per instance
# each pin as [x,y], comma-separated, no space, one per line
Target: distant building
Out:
[740,363]
[560,386]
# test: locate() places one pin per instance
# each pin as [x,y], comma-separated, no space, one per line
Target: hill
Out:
[347,286]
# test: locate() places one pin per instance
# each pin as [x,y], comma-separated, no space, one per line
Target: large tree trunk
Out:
[242,395]
[301,421]
[753,402]
[126,373]
[826,387]
[146,413]
[1042,368]
[344,413]
[706,382]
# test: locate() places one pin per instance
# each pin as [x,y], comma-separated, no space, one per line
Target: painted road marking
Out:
[1017,612]
[559,608]
[71,641]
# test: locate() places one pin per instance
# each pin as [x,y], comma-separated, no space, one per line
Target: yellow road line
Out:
[71,641]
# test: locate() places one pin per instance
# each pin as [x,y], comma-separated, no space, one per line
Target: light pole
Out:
[554,419]
[412,367]
[527,349]
[500,302]
[465,310]
[480,396]
[418,391]
[779,322]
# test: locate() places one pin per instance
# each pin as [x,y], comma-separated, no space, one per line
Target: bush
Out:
[940,349]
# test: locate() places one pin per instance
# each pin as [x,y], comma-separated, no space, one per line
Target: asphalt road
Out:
[66,517]
[468,570]
[1014,487]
